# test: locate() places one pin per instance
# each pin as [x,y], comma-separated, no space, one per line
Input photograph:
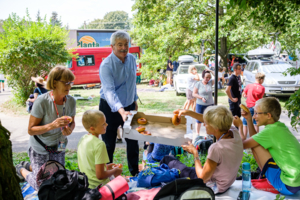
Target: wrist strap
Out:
[196,158]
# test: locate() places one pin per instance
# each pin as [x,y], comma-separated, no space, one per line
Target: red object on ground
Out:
[263,184]
[143,194]
[118,186]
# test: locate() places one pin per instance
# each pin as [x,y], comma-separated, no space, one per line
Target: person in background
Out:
[169,71]
[243,68]
[221,76]
[253,92]
[119,96]
[40,88]
[203,93]
[192,78]
[175,65]
[1,82]
[233,90]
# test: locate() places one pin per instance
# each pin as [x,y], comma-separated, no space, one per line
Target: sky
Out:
[71,12]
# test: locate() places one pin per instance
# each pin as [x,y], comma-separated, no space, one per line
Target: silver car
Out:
[276,84]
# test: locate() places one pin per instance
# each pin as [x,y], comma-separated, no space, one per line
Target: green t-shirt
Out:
[284,149]
[92,151]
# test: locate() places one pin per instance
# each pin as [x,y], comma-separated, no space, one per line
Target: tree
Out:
[54,19]
[9,182]
[177,27]
[276,13]
[111,20]
[38,16]
[28,49]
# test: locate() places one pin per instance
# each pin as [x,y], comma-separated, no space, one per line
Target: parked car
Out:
[276,84]
[180,76]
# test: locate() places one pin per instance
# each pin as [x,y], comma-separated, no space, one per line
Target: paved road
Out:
[19,136]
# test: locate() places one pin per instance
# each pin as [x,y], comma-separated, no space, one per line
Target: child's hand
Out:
[117,172]
[109,166]
[237,121]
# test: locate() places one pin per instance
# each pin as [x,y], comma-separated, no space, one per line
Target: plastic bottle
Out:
[246,177]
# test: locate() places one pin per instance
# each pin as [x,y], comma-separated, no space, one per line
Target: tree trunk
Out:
[223,50]
[9,182]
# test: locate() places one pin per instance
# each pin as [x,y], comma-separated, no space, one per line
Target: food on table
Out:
[176,120]
[142,121]
[140,128]
[242,106]
[145,133]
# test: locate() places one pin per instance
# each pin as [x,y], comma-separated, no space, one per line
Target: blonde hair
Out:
[219,117]
[270,105]
[259,76]
[91,118]
[58,73]
[191,67]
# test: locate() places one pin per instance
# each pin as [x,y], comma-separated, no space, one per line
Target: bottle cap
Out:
[246,166]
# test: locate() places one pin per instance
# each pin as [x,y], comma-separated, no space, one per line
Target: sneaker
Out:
[18,170]
[119,141]
[25,164]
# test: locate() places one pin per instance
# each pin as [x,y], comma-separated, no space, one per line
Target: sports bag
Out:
[202,144]
[185,189]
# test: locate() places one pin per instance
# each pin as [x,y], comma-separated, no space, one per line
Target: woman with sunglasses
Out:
[47,126]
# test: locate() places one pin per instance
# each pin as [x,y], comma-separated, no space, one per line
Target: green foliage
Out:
[28,49]
[111,20]
[249,158]
[54,19]
[278,197]
[177,27]
[276,13]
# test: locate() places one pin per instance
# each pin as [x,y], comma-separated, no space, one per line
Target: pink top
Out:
[254,92]
[228,153]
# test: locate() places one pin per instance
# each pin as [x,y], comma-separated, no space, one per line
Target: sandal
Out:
[18,170]
[25,164]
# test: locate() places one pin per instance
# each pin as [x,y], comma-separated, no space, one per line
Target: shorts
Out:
[1,81]
[272,172]
[189,94]
[200,109]
[169,73]
[252,113]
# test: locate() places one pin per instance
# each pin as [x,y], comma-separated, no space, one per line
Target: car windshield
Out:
[184,69]
[275,68]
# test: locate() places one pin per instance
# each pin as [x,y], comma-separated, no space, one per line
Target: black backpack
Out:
[67,185]
[185,189]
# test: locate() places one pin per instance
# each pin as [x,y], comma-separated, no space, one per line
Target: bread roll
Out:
[242,106]
[67,118]
[176,120]
[142,121]
[140,128]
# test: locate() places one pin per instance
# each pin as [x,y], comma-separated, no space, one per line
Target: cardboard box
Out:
[161,128]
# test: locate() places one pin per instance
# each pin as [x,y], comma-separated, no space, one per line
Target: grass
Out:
[120,153]
[151,101]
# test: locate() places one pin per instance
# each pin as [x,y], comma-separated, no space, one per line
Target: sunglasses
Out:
[67,83]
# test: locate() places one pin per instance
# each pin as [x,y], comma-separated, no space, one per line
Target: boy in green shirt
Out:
[276,150]
[92,154]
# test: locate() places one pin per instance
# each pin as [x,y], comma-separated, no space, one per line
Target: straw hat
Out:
[39,80]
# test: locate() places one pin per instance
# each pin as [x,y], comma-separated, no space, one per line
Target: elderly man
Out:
[118,95]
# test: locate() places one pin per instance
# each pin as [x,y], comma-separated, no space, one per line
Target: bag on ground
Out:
[185,189]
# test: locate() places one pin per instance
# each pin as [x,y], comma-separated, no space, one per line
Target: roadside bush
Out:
[28,49]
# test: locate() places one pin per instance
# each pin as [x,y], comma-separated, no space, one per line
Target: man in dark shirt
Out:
[169,71]
[233,90]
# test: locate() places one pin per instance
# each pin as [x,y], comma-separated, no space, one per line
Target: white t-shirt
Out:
[220,75]
[1,77]
[191,82]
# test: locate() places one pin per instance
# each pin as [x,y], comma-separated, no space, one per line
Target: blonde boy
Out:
[276,150]
[92,153]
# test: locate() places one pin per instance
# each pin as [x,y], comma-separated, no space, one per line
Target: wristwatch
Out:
[196,158]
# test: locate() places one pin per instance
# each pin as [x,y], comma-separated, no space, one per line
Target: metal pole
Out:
[216,51]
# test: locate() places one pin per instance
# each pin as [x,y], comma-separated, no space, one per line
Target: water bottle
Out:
[246,177]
